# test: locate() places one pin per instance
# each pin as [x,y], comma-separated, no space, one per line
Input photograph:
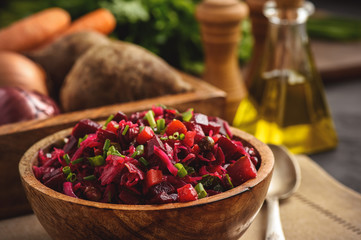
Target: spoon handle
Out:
[274,226]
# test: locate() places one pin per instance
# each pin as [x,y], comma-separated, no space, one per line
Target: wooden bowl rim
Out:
[28,177]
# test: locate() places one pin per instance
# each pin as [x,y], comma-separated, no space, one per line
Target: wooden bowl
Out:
[223,216]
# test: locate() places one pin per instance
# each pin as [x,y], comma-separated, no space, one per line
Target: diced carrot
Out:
[176,126]
[33,31]
[113,126]
[145,135]
[153,177]
[189,138]
[187,193]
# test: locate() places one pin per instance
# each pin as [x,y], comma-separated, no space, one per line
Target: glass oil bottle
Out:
[286,103]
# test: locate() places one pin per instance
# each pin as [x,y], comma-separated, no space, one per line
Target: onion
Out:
[20,105]
[17,70]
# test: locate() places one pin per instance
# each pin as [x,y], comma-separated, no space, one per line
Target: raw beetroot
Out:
[129,162]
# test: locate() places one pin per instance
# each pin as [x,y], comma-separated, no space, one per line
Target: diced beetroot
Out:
[119,116]
[228,129]
[70,146]
[157,189]
[128,197]
[54,179]
[219,156]
[158,111]
[106,134]
[165,159]
[164,197]
[228,147]
[199,133]
[241,170]
[133,169]
[206,150]
[129,179]
[85,126]
[155,141]
[114,166]
[187,193]
[211,127]
[68,189]
[201,119]
[175,181]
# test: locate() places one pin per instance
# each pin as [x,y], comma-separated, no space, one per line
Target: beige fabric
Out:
[321,209]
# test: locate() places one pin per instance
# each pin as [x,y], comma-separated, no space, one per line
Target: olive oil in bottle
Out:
[286,102]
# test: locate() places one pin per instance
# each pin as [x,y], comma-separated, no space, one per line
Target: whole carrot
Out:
[32,31]
[100,20]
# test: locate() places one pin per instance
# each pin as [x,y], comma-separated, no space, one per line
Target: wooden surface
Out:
[16,138]
[337,61]
[322,208]
[222,216]
[220,30]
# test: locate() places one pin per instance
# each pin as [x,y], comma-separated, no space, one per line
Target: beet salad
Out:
[151,157]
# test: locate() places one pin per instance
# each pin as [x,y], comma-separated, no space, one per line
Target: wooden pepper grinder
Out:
[220,30]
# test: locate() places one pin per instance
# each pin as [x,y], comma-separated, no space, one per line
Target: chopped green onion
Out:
[113,151]
[229,181]
[139,150]
[181,136]
[150,117]
[171,137]
[165,138]
[160,124]
[90,178]
[66,158]
[143,161]
[76,161]
[71,177]
[182,172]
[125,130]
[108,121]
[176,135]
[66,170]
[82,139]
[200,190]
[106,145]
[187,115]
[97,160]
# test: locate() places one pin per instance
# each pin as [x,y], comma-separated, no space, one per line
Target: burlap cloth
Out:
[322,209]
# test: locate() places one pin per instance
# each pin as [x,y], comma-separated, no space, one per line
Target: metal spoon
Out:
[285,181]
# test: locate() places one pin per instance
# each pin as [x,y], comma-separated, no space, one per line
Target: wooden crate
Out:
[16,138]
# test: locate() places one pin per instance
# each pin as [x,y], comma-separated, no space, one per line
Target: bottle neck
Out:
[288,16]
[287,45]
